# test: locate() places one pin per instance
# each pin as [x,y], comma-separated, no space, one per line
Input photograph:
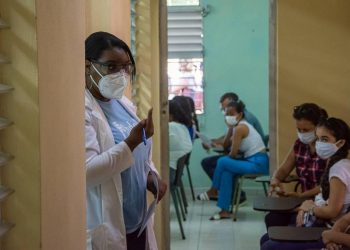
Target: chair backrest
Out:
[180,168]
[266,139]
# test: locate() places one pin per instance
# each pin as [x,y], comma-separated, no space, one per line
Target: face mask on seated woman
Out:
[307,137]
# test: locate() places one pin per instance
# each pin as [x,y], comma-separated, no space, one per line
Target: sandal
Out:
[205,197]
[218,217]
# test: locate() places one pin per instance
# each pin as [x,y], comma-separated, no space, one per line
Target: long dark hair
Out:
[179,114]
[187,104]
[311,112]
[97,42]
[340,130]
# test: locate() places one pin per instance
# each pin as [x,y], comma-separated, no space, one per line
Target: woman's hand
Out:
[300,219]
[149,128]
[327,236]
[162,187]
[333,246]
[136,134]
[307,205]
[276,187]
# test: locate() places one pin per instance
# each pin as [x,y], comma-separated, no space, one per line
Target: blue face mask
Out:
[326,150]
[307,137]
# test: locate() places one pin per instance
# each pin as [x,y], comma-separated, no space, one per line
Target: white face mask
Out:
[307,137]
[325,149]
[112,85]
[231,120]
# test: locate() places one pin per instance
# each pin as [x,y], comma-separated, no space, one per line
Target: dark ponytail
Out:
[340,130]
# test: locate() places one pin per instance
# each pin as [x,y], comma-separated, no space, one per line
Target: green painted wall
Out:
[235,59]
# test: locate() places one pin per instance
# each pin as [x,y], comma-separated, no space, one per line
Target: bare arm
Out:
[338,234]
[240,132]
[310,193]
[286,168]
[335,202]
[228,137]
[282,172]
[339,238]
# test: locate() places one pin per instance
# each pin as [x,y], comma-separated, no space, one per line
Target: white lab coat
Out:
[105,160]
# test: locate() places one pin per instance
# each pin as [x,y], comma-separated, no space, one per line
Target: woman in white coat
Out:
[115,159]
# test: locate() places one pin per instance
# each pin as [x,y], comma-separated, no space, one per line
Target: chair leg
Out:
[235,192]
[190,181]
[238,188]
[181,204]
[183,195]
[265,188]
[173,195]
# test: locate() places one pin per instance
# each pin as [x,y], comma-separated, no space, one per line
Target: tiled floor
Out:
[203,234]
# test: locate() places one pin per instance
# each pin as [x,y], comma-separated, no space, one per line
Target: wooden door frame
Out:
[273,124]
[164,118]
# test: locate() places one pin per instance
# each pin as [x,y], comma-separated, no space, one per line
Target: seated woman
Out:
[179,139]
[303,158]
[247,141]
[332,145]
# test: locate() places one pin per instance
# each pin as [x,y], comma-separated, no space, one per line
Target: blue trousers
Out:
[209,164]
[228,168]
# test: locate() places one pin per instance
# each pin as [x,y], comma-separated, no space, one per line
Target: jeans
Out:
[228,168]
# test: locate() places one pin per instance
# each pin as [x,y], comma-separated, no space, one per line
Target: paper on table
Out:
[152,206]
[208,142]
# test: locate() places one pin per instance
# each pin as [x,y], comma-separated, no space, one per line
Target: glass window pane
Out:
[182,2]
[185,77]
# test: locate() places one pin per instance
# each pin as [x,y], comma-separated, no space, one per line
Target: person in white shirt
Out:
[180,142]
[245,140]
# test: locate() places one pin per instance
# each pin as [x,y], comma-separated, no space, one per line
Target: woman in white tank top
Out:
[246,141]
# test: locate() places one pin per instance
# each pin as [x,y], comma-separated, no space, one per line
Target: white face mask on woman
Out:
[112,85]
[326,150]
[307,137]
[231,120]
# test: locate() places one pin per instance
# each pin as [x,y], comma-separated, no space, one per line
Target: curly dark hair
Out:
[340,130]
[311,112]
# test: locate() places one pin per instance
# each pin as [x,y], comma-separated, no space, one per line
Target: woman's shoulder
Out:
[342,163]
[178,126]
[243,125]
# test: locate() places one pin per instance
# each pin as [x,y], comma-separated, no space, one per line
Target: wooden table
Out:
[296,233]
[277,204]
